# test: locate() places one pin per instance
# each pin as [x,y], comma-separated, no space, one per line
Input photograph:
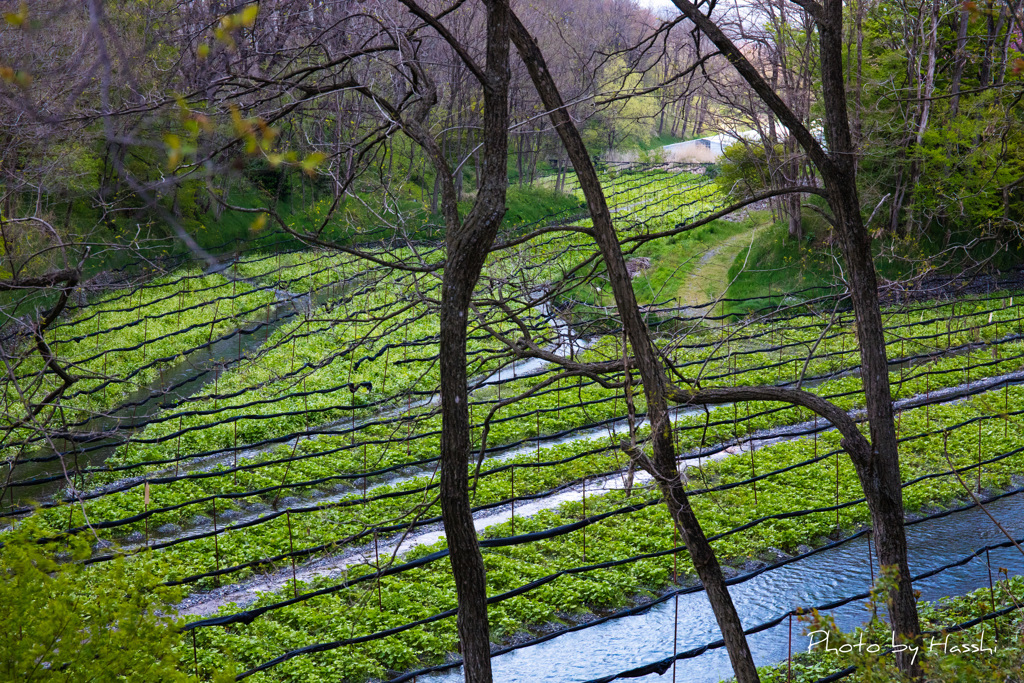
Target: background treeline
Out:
[122,122]
[935,92]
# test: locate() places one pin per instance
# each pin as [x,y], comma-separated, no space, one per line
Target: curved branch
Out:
[458,47]
[811,7]
[853,441]
[67,275]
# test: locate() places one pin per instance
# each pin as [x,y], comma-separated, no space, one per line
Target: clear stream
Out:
[199,369]
[633,641]
[827,576]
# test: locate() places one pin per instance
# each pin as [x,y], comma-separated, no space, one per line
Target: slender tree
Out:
[876,461]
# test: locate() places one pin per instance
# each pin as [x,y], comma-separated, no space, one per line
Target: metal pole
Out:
[216,543]
[789,659]
[291,552]
[675,640]
[513,500]
[376,552]
[991,591]
[584,518]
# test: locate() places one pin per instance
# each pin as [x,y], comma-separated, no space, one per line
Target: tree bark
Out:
[467,244]
[881,481]
[880,474]
[663,464]
[467,247]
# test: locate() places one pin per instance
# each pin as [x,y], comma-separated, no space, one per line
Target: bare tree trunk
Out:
[663,464]
[467,248]
[881,482]
[925,96]
[1008,34]
[880,474]
[960,60]
[994,29]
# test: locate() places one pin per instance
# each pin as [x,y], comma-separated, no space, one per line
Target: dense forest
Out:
[391,340]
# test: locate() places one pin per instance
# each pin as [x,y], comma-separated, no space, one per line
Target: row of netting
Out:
[321,440]
[731,356]
[512,474]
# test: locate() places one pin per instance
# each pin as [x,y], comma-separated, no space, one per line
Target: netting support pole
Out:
[145,509]
[753,473]
[928,396]
[584,517]
[991,592]
[376,553]
[216,543]
[871,566]
[537,428]
[675,640]
[789,658]
[815,435]
[291,551]
[513,470]
[837,490]
[177,456]
[979,458]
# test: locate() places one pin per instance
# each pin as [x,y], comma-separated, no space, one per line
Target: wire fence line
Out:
[342,297]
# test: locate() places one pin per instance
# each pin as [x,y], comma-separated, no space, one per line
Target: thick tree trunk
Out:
[880,478]
[663,464]
[881,481]
[466,560]
[468,243]
[882,484]
[467,250]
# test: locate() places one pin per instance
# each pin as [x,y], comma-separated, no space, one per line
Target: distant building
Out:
[706,150]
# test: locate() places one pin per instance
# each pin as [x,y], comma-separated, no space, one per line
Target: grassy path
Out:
[710,278]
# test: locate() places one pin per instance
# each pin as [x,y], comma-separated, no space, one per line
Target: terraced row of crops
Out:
[323,441]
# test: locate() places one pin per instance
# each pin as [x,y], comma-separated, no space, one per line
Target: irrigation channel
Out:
[328,554]
[830,575]
[197,370]
[567,343]
[335,566]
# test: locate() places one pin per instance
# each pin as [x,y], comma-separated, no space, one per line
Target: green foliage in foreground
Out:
[60,622]
[941,664]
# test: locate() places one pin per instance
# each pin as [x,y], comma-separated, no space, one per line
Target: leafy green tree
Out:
[62,621]
[743,169]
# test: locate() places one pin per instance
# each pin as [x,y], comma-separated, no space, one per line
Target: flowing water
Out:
[636,640]
[830,575]
[174,384]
